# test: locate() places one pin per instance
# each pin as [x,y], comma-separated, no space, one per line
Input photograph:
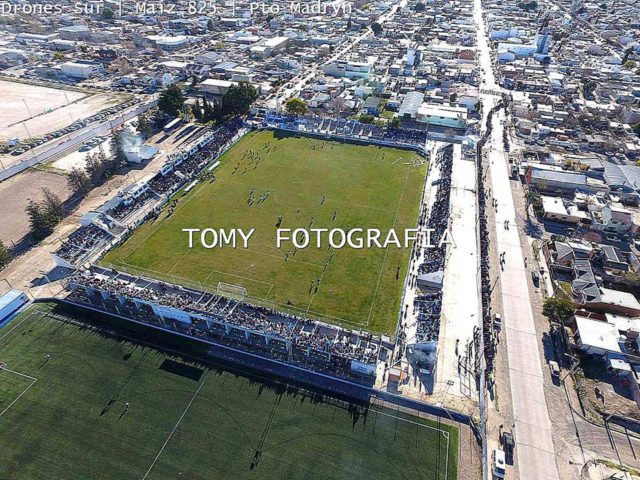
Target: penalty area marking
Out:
[3,370]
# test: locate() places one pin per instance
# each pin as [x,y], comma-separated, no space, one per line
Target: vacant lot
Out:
[22,101]
[66,416]
[30,111]
[306,183]
[14,197]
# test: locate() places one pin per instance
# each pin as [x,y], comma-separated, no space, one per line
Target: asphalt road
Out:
[532,429]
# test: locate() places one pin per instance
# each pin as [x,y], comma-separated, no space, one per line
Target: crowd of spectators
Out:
[184,168]
[303,333]
[84,240]
[429,306]
[348,128]
[487,323]
[92,238]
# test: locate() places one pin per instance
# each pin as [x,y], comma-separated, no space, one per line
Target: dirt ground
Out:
[37,99]
[14,196]
[616,393]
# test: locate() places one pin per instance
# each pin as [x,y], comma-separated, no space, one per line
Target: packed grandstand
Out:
[234,323]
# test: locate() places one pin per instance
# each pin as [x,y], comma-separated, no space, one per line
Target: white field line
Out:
[444,433]
[18,324]
[174,428]
[33,381]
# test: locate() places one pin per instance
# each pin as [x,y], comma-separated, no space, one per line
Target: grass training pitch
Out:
[65,416]
[310,183]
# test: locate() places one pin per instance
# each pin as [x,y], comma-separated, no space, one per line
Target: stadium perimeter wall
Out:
[225,355]
[346,139]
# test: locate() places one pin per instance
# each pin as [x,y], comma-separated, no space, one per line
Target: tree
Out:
[144,126]
[558,310]
[52,205]
[377,28]
[210,113]
[588,86]
[453,97]
[58,56]
[95,169]
[41,221]
[296,106]
[238,99]
[79,182]
[171,100]
[532,197]
[119,156]
[5,255]
[636,128]
[210,25]
[394,122]
[107,13]
[364,118]
[197,110]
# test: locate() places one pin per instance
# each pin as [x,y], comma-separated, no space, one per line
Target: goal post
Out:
[229,290]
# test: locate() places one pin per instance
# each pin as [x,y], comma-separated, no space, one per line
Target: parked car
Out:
[536,278]
[497,321]
[554,368]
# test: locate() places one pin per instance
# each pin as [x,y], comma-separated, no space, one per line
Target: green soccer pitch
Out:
[65,416]
[310,183]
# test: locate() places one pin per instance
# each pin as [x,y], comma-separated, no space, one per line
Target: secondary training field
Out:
[64,414]
[307,182]
[44,109]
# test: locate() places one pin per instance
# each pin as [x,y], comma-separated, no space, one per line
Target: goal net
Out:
[228,290]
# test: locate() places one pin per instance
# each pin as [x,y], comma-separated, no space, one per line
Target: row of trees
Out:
[297,106]
[236,101]
[99,167]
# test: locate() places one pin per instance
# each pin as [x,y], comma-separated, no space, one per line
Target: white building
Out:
[442,116]
[140,153]
[269,47]
[343,68]
[214,86]
[81,69]
[411,105]
[33,38]
[167,42]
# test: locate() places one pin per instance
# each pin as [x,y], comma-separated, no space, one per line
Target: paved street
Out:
[532,425]
[279,98]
